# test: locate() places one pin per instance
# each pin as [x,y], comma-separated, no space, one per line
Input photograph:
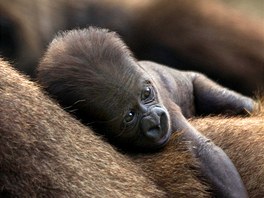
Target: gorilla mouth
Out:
[163,141]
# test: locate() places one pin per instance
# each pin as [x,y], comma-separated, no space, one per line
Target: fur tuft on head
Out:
[88,61]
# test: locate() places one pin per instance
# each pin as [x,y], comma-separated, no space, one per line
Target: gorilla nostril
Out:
[153,133]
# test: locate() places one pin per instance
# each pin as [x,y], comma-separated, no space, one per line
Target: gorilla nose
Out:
[151,125]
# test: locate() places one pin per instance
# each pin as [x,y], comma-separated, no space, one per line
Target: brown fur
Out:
[175,170]
[45,152]
[92,72]
[243,140]
[29,163]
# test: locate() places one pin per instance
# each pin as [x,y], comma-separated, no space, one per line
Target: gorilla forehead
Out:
[98,66]
[125,90]
[103,60]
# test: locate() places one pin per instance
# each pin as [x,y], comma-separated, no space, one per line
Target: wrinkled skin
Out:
[138,104]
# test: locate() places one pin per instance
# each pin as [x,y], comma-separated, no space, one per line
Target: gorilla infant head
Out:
[93,73]
[137,104]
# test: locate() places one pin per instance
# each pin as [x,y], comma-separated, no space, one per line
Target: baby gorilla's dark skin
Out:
[138,104]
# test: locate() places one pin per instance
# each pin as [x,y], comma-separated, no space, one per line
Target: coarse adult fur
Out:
[137,104]
[46,152]
[54,160]
[243,140]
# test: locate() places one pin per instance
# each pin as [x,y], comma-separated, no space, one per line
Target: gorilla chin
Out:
[145,145]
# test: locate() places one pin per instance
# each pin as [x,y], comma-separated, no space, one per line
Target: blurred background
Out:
[223,39]
[253,8]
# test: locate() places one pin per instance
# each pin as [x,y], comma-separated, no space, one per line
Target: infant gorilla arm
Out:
[138,104]
[190,93]
[196,94]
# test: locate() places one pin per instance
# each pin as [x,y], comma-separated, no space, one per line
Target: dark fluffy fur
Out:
[33,128]
[88,69]
[92,71]
[44,152]
[28,26]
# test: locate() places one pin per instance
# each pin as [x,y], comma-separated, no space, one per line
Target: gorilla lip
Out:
[166,131]
[163,141]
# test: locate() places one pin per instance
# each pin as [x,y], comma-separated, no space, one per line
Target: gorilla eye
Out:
[146,93]
[129,116]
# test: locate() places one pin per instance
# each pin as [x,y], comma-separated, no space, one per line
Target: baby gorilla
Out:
[137,104]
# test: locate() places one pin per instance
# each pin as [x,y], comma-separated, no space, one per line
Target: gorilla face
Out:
[135,117]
